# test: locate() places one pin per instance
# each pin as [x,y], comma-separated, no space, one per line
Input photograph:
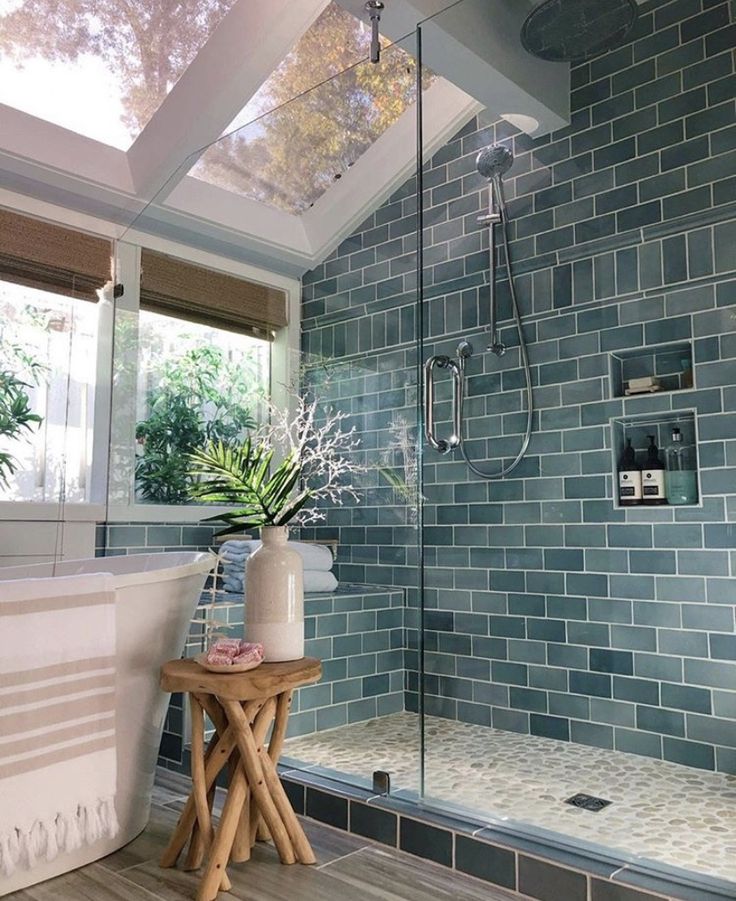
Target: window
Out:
[47,391]
[102,400]
[195,383]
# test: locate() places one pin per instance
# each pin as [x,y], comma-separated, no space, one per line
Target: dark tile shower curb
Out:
[535,868]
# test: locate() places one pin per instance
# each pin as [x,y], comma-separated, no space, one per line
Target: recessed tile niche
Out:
[670,364]
[640,427]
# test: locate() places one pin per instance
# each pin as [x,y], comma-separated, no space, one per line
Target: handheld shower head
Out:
[494,161]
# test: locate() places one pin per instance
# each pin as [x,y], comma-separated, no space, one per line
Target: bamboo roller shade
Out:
[202,295]
[52,258]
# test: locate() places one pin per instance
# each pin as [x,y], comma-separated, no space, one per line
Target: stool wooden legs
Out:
[256,800]
[258,828]
[199,784]
[215,761]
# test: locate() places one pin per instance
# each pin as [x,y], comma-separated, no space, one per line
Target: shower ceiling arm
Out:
[374,8]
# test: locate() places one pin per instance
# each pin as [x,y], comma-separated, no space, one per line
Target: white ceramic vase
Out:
[274,597]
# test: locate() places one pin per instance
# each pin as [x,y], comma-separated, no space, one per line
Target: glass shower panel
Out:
[464,535]
[359,360]
[331,147]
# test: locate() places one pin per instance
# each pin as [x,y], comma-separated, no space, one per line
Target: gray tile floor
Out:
[348,868]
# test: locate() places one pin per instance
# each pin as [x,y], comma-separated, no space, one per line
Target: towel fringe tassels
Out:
[48,838]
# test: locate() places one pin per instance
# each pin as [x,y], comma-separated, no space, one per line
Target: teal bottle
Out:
[681,479]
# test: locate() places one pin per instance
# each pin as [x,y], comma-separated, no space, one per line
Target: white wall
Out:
[33,533]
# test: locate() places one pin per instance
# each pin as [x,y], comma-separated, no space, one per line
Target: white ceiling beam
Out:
[385,166]
[26,137]
[46,162]
[476,45]
[219,221]
[249,43]
[42,209]
[266,233]
[210,203]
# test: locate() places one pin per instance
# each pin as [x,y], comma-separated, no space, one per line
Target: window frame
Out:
[284,355]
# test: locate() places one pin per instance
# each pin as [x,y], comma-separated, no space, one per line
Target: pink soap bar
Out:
[228,646]
[218,659]
[250,652]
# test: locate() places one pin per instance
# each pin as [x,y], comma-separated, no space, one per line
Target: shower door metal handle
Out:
[442,445]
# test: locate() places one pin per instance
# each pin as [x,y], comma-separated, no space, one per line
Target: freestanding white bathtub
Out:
[156,595]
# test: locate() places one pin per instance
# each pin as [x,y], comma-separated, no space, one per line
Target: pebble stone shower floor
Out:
[661,811]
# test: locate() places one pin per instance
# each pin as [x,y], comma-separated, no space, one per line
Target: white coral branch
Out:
[325,449]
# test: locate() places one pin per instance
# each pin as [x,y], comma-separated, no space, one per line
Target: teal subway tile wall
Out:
[115,539]
[357,633]
[549,609]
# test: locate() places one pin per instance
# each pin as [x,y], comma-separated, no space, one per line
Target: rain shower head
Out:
[494,161]
[575,30]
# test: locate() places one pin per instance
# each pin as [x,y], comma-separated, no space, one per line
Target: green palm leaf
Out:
[241,475]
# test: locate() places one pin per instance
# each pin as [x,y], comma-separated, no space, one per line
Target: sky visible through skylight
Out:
[319,112]
[99,67]
[43,89]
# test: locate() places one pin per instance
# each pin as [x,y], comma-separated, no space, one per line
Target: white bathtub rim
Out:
[191,563]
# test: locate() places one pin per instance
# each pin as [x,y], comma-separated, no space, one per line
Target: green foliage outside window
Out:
[18,372]
[200,397]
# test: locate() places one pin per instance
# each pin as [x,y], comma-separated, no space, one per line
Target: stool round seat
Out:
[263,681]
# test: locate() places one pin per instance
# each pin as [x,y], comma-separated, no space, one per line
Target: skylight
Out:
[313,117]
[99,67]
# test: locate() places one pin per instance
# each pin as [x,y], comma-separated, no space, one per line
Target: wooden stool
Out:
[242,707]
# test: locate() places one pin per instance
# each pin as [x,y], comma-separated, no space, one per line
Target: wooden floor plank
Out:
[327,843]
[91,883]
[149,845]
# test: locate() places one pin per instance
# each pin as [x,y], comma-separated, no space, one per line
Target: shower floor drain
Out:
[588,802]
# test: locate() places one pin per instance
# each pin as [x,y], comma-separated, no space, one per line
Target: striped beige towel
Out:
[57,716]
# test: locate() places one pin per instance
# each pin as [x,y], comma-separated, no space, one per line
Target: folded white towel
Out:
[318,582]
[316,557]
[57,716]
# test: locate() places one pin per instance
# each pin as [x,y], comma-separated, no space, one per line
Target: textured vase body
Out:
[274,592]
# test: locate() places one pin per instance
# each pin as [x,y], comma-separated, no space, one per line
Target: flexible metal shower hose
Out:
[527,373]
